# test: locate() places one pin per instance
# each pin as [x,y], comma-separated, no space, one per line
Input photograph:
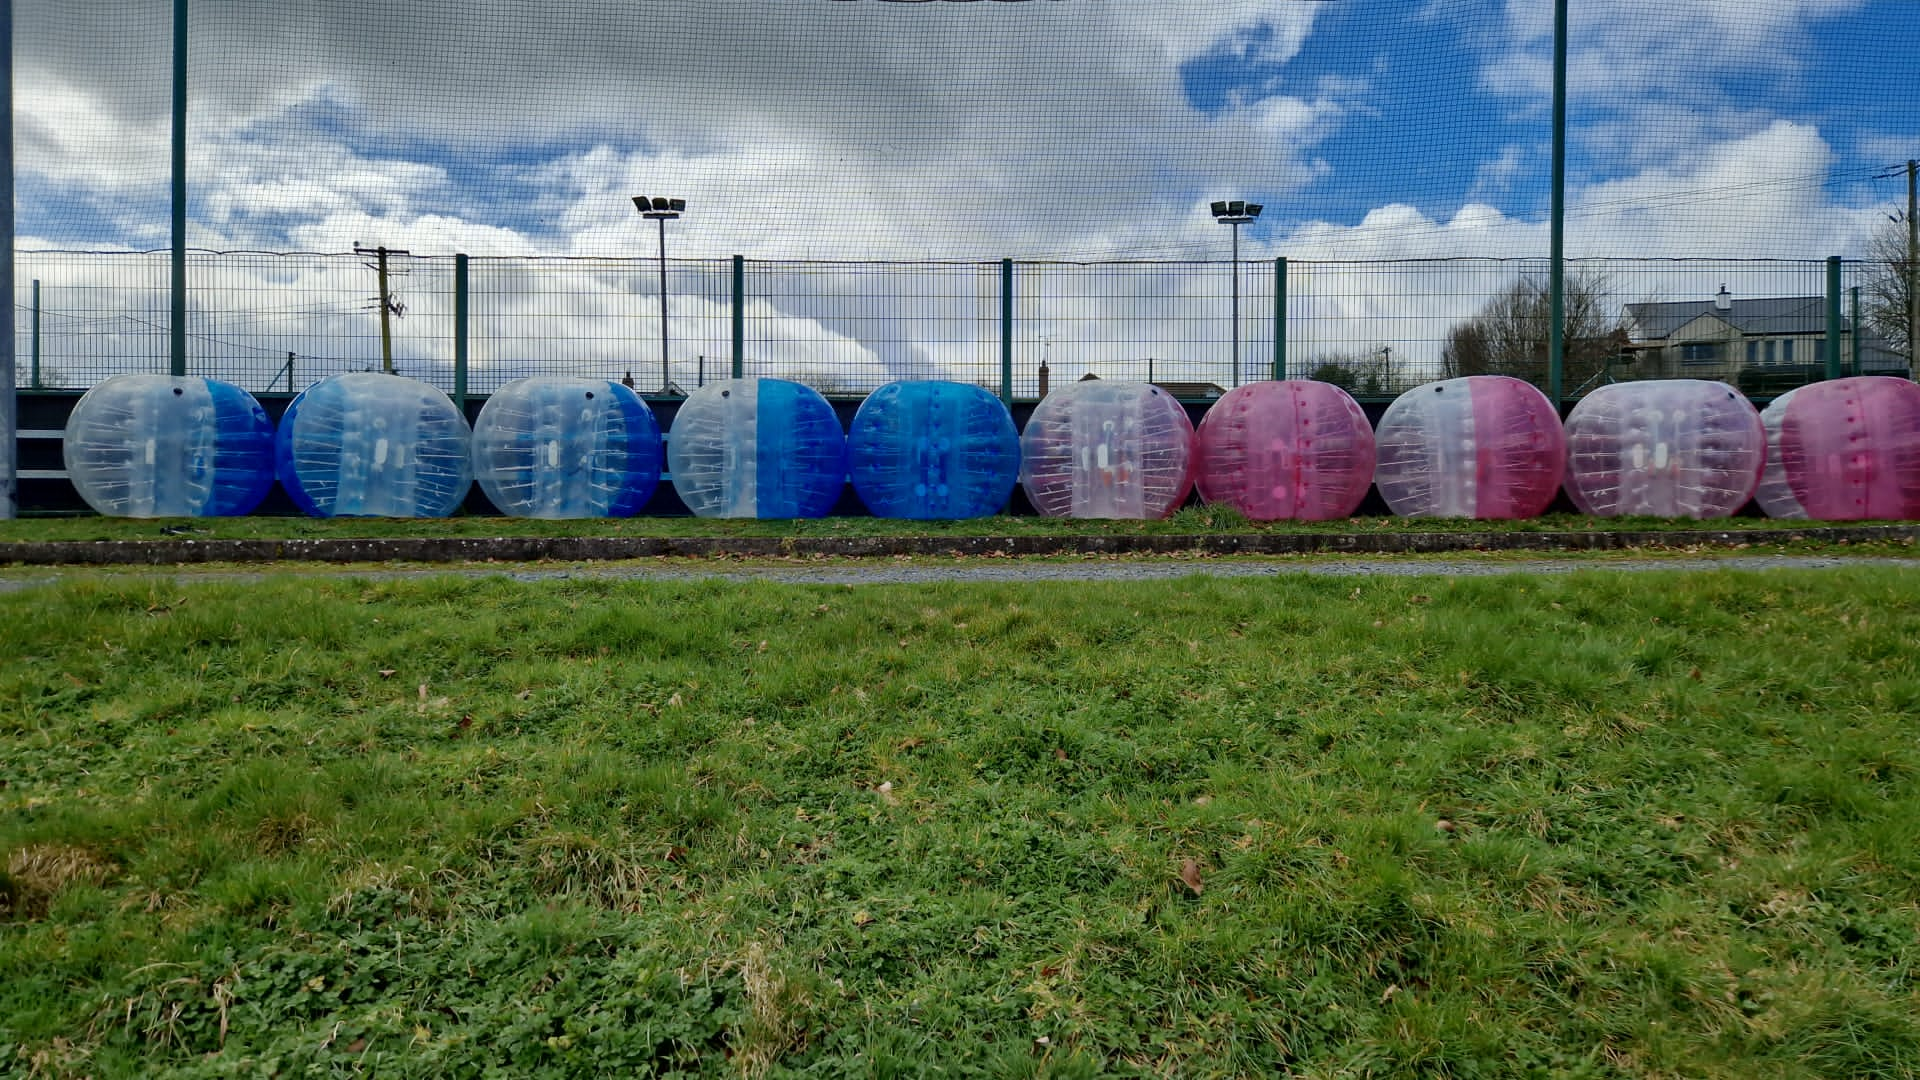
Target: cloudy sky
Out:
[1069,129]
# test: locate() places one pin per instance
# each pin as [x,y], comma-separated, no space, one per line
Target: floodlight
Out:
[1253,209]
[1220,209]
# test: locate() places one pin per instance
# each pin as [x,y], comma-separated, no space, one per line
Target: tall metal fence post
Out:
[1006,331]
[1833,317]
[460,309]
[1557,227]
[35,382]
[1853,331]
[9,340]
[739,317]
[177,330]
[1280,318]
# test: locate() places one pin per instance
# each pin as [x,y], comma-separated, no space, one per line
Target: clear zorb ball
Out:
[1098,449]
[562,447]
[147,446]
[371,445]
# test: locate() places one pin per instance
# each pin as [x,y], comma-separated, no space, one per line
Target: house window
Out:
[1753,353]
[1699,352]
[1786,351]
[1773,352]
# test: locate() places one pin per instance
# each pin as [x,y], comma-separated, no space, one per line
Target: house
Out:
[1747,341]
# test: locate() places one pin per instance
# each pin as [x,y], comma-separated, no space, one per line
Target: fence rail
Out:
[269,321]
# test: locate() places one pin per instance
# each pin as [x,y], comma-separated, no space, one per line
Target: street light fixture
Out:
[1236,212]
[662,210]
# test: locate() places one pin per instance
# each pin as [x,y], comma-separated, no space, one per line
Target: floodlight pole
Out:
[1236,214]
[661,210]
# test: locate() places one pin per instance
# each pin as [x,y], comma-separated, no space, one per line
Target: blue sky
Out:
[1078,128]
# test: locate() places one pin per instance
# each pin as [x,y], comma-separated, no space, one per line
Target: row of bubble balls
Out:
[1480,446]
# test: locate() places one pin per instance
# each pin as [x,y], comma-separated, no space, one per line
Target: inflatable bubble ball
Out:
[932,451]
[1480,446]
[562,447]
[147,446]
[1673,448]
[1844,450]
[757,448]
[371,445]
[1098,449]
[1298,449]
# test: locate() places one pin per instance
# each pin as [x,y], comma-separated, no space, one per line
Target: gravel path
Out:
[917,571]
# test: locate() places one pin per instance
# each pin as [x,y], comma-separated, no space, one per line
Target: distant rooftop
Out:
[1762,315]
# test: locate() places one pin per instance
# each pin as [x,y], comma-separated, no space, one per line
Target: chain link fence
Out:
[279,322]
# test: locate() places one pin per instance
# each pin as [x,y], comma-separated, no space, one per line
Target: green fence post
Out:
[1280,318]
[739,317]
[1833,317]
[35,335]
[1006,331]
[460,293]
[1557,226]
[1853,332]
[177,330]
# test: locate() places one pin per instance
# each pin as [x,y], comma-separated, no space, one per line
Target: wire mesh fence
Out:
[279,322]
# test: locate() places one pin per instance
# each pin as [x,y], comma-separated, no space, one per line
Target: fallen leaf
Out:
[356,1045]
[388,673]
[1190,875]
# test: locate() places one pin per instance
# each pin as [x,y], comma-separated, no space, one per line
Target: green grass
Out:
[1192,520]
[456,827]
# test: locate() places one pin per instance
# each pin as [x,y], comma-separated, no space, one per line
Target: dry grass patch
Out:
[38,872]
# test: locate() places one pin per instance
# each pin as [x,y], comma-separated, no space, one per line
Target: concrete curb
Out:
[602,548]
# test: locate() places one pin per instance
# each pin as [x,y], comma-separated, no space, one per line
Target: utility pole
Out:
[388,308]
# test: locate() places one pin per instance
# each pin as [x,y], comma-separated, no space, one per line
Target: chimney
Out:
[1723,301]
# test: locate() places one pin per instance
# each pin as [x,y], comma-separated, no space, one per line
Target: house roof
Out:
[1759,316]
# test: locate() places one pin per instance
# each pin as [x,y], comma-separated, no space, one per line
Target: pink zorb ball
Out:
[1296,449]
[1098,449]
[1483,446]
[1677,448]
[1843,451]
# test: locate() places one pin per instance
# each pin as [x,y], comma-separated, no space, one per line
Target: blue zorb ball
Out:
[764,448]
[933,450]
[149,446]
[559,447]
[373,445]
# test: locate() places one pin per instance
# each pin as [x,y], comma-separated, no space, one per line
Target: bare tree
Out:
[1370,373]
[1510,334]
[1889,286]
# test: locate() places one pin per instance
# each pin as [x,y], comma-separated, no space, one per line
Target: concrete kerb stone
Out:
[612,548]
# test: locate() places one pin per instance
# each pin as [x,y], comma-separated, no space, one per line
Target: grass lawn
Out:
[1595,825]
